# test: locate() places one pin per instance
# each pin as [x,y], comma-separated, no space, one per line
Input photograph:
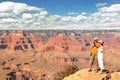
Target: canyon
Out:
[38,54]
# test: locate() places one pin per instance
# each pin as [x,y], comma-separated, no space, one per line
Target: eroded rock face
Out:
[18,40]
[62,43]
[24,73]
[63,61]
[55,41]
[76,43]
[58,49]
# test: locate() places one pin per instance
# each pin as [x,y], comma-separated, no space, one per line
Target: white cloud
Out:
[26,16]
[100,14]
[101,4]
[6,6]
[4,14]
[79,18]
[112,8]
[66,19]
[43,13]
[19,8]
[73,13]
[83,13]
[22,16]
[9,20]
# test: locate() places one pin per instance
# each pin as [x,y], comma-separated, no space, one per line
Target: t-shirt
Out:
[94,48]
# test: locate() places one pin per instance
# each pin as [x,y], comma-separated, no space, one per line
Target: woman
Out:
[100,56]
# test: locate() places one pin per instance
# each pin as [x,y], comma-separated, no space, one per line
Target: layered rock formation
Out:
[62,43]
[63,46]
[18,40]
[24,73]
[53,50]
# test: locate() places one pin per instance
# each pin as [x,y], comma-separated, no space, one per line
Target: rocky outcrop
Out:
[85,75]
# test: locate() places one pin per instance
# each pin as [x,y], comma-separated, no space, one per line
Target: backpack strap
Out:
[95,45]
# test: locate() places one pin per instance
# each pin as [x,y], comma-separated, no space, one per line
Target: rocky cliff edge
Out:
[85,75]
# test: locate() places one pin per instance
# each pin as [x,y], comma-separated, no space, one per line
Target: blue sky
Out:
[62,7]
[59,14]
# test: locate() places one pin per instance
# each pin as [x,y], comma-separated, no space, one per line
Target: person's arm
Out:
[103,51]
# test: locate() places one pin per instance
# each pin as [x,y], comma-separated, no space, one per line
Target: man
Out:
[93,54]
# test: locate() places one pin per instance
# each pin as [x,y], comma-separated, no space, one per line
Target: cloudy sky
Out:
[59,14]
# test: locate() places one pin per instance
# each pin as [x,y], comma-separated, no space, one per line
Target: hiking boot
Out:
[89,70]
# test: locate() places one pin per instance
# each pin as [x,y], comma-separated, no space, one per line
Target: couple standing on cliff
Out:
[96,55]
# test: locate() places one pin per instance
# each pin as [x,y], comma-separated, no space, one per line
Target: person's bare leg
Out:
[91,64]
[90,67]
[97,66]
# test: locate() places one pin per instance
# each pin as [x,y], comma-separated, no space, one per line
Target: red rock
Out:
[17,39]
[62,43]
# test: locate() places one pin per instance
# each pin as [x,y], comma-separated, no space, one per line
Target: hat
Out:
[100,41]
[95,38]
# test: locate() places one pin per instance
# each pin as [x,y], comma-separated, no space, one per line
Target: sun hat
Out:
[100,41]
[95,38]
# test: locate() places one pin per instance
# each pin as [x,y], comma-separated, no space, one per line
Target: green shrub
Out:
[70,69]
